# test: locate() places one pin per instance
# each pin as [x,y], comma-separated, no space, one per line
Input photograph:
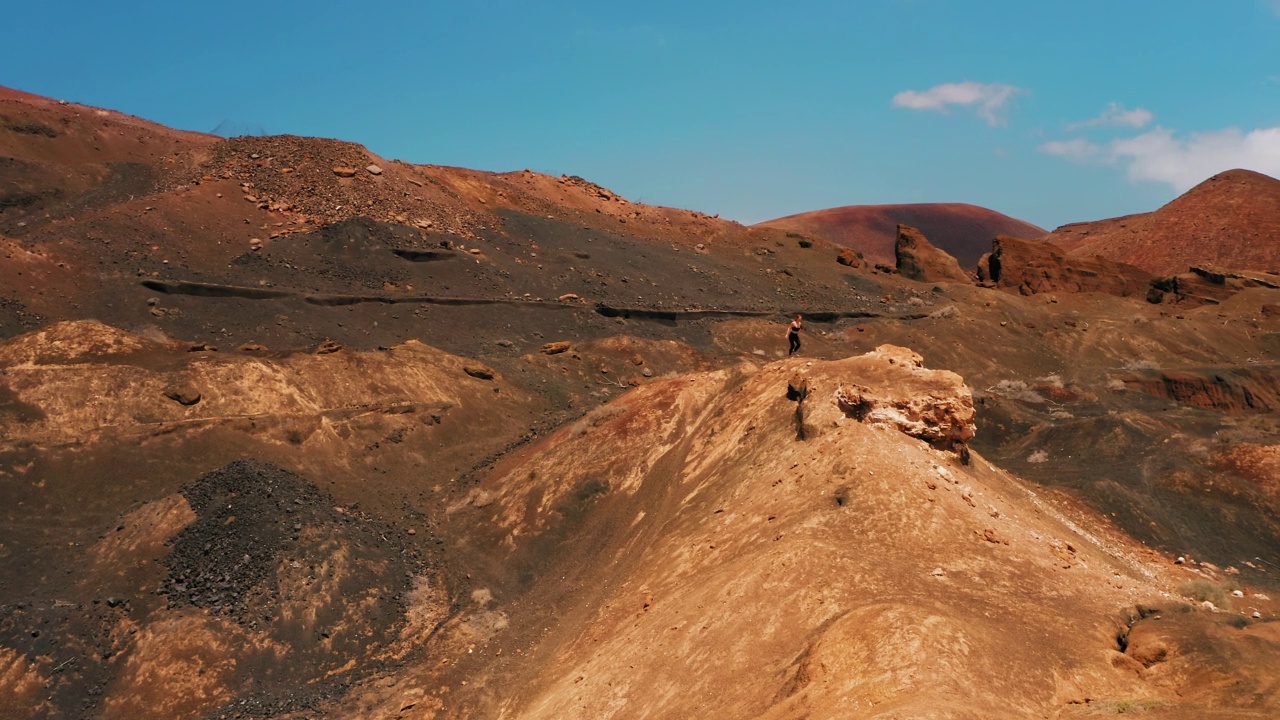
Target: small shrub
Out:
[1201,590]
[33,129]
[595,418]
[1125,707]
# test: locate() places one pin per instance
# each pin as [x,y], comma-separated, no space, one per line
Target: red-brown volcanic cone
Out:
[1230,220]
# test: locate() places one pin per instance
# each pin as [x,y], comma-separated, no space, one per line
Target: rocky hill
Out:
[291,430]
[1231,220]
[963,231]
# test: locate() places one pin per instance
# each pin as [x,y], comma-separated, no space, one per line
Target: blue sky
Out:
[1051,112]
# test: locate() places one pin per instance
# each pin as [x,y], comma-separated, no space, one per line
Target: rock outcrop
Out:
[962,231]
[891,387]
[80,382]
[1235,390]
[850,257]
[1203,285]
[1031,267]
[918,259]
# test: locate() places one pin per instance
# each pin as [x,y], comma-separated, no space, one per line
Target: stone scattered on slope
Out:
[478,370]
[849,257]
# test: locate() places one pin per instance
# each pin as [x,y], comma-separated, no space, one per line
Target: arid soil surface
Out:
[294,431]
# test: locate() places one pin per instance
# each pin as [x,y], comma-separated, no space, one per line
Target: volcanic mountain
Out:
[291,430]
[964,231]
[1231,220]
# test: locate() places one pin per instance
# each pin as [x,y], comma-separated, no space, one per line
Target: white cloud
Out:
[1161,155]
[1077,149]
[1275,6]
[989,100]
[1117,116]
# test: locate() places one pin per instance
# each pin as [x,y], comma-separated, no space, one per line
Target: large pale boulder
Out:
[891,387]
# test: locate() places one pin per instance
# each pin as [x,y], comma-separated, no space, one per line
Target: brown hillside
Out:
[963,231]
[1231,220]
[289,430]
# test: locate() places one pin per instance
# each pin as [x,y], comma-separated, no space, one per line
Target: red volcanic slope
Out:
[1231,220]
[965,231]
[87,119]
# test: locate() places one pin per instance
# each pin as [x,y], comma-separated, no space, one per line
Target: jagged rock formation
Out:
[1231,220]
[889,386]
[850,257]
[1031,267]
[917,259]
[1206,285]
[960,230]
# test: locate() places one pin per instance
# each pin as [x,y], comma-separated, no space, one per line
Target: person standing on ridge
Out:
[793,335]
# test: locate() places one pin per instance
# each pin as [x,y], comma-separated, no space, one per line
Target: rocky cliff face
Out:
[1246,390]
[1202,285]
[1031,267]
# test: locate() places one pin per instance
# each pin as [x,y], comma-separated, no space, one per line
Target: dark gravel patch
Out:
[247,511]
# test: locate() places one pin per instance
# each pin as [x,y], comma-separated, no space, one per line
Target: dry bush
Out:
[1202,590]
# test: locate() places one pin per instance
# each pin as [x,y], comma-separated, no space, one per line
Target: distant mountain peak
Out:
[1230,220]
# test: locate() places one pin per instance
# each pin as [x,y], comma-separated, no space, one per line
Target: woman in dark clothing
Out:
[793,335]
